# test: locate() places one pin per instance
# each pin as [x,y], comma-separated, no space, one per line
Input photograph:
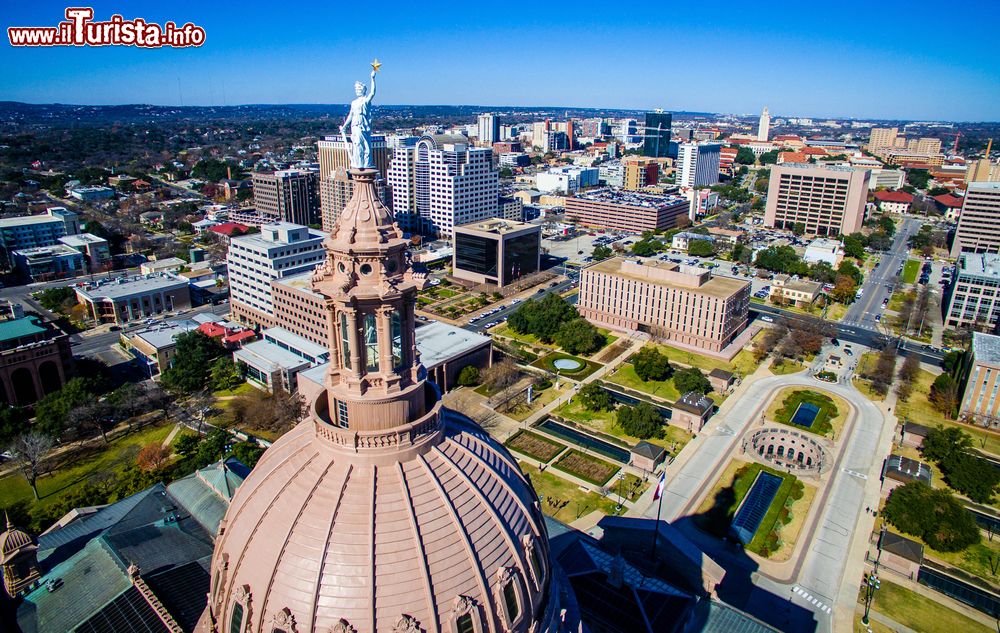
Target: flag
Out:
[659,486]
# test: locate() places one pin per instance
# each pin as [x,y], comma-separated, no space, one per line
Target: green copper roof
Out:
[20,328]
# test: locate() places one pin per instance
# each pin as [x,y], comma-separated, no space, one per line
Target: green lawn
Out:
[787,366]
[75,468]
[242,389]
[866,364]
[742,363]
[626,377]
[919,612]
[821,424]
[720,507]
[603,424]
[919,409]
[910,270]
[563,499]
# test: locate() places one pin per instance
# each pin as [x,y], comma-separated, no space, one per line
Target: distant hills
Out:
[70,114]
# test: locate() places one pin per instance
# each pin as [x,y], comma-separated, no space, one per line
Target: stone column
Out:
[384,328]
[332,340]
[354,338]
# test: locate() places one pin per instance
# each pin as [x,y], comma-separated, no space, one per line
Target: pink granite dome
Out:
[410,537]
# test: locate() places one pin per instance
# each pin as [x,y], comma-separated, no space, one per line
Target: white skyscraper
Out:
[764,127]
[489,128]
[698,164]
[441,183]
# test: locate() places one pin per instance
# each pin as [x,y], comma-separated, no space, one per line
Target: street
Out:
[878,282]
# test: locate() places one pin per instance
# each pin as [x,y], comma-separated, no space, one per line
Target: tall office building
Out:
[764,125]
[489,128]
[882,137]
[441,183]
[824,200]
[979,223]
[924,145]
[698,164]
[288,195]
[280,250]
[656,134]
[335,185]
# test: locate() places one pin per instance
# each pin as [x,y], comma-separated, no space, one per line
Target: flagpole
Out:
[656,528]
[656,525]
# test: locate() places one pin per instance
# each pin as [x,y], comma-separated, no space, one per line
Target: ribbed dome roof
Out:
[320,537]
[13,540]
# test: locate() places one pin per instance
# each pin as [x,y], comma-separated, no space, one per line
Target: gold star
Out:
[376,65]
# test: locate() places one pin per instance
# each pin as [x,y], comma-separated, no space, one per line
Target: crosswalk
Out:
[808,597]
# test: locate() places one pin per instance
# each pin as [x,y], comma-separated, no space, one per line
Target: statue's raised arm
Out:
[371,93]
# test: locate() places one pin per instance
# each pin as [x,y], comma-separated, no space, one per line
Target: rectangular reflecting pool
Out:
[805,415]
[587,441]
[755,505]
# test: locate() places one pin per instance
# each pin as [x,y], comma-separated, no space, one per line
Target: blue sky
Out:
[909,60]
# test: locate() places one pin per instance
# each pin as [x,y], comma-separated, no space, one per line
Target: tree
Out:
[935,516]
[760,185]
[641,421]
[249,453]
[275,411]
[849,269]
[128,401]
[500,376]
[28,451]
[469,376]
[691,379]
[744,156]
[885,369]
[187,444]
[595,397]
[505,172]
[601,252]
[152,457]
[822,272]
[13,422]
[941,443]
[701,248]
[972,476]
[52,411]
[579,337]
[844,289]
[192,361]
[952,361]
[650,364]
[918,178]
[854,245]
[225,374]
[647,247]
[542,318]
[56,299]
[769,158]
[944,394]
[94,416]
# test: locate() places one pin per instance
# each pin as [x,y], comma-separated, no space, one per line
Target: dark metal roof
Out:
[905,469]
[128,613]
[694,402]
[902,546]
[646,449]
[721,373]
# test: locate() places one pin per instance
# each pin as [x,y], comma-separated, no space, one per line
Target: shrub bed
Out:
[590,469]
[534,445]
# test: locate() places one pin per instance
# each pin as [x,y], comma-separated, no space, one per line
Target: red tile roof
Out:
[228,228]
[949,200]
[814,151]
[792,157]
[893,196]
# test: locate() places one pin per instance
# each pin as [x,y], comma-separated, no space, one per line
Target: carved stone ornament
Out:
[343,626]
[242,594]
[406,624]
[284,620]
[463,606]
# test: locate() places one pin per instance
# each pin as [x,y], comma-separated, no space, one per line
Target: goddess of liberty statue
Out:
[360,121]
